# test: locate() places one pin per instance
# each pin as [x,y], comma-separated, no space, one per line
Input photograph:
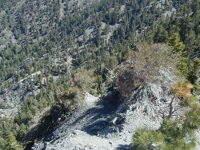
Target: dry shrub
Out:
[141,66]
[84,79]
[151,57]
[129,80]
[69,96]
[182,89]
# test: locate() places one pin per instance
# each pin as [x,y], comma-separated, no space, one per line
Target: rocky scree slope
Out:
[108,122]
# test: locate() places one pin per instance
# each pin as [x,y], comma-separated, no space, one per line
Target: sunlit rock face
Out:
[109,122]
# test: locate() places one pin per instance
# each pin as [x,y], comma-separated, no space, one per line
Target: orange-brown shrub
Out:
[142,65]
[182,89]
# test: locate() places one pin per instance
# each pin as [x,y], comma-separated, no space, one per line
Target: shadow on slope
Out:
[47,124]
[101,118]
[124,147]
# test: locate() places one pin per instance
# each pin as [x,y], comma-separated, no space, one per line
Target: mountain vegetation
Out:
[53,51]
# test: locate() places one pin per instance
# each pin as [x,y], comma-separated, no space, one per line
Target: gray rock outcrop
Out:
[109,122]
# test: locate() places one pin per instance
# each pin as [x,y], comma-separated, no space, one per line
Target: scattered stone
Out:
[98,122]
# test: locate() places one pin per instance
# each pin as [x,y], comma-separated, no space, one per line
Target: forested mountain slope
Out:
[51,52]
[32,32]
[42,41]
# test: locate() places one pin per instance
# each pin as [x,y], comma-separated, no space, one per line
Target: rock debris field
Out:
[104,123]
[109,121]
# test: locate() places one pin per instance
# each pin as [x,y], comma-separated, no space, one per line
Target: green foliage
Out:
[189,101]
[177,135]
[161,35]
[189,69]
[2,143]
[187,66]
[182,66]
[144,139]
[192,117]
[174,41]
[197,62]
[53,34]
[11,143]
[173,135]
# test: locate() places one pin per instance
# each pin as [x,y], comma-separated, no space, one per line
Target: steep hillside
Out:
[48,39]
[110,121]
[52,52]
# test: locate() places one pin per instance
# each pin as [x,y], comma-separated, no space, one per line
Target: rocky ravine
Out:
[109,122]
